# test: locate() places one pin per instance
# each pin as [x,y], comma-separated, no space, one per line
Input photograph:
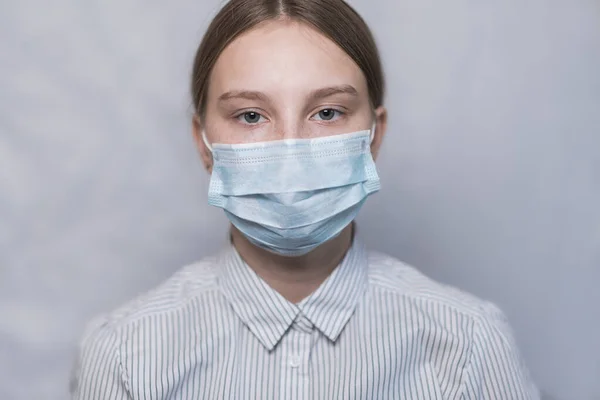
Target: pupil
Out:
[326,114]
[251,117]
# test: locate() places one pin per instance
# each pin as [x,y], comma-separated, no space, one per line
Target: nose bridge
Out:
[291,115]
[290,124]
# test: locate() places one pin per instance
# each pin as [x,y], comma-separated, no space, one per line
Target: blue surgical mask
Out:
[290,196]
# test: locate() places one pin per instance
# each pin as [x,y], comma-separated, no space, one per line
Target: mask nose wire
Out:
[371,136]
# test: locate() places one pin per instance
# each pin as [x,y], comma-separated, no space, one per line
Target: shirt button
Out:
[294,361]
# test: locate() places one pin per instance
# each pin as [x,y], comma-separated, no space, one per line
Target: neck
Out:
[295,278]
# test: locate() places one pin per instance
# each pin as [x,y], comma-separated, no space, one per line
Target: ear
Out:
[205,154]
[380,129]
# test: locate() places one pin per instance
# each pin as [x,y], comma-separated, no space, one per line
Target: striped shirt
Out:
[375,329]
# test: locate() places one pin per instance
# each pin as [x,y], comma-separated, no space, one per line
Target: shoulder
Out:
[176,293]
[396,278]
[139,328]
[492,364]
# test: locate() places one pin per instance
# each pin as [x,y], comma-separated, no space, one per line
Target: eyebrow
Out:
[333,90]
[315,95]
[243,94]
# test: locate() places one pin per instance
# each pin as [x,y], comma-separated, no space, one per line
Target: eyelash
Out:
[339,112]
[239,116]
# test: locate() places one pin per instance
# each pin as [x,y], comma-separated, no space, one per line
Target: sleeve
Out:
[496,369]
[98,373]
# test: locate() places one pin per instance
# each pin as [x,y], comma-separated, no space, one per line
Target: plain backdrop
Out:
[490,169]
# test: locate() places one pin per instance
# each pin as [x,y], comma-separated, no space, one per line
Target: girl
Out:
[289,119]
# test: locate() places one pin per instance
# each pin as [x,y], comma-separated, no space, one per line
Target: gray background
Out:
[490,170]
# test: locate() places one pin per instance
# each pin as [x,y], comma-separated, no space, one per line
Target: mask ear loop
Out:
[205,140]
[372,135]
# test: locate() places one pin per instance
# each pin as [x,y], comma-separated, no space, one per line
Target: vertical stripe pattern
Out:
[375,329]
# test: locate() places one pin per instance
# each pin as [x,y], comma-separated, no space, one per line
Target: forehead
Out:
[281,57]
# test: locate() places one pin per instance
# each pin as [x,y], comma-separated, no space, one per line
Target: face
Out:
[284,80]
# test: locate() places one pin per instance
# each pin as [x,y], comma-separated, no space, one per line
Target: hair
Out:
[335,19]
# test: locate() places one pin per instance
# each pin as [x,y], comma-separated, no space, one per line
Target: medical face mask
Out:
[290,196]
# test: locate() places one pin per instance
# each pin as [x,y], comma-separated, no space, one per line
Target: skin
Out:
[298,84]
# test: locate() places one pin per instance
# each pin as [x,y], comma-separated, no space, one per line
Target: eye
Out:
[327,114]
[250,118]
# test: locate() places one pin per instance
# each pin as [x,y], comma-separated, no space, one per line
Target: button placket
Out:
[296,359]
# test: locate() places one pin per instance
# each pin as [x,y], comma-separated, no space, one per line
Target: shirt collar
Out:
[269,315]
